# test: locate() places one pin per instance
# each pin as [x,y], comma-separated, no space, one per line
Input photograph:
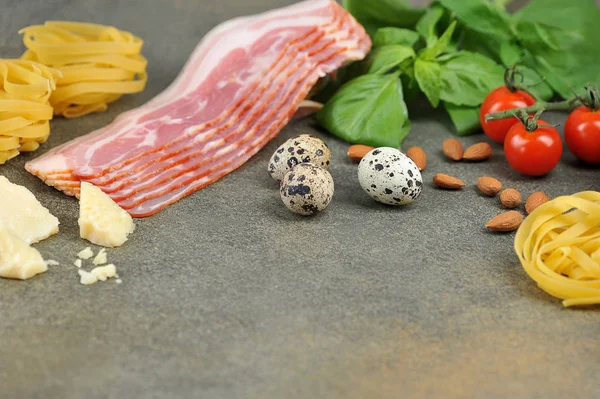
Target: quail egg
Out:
[389,176]
[306,189]
[297,150]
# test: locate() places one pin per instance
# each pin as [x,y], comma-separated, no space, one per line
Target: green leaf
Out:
[536,84]
[482,17]
[501,4]
[375,14]
[510,53]
[386,58]
[386,36]
[562,48]
[440,45]
[464,118]
[368,110]
[427,24]
[427,74]
[468,78]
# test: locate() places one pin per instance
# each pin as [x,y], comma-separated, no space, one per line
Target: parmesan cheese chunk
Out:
[17,259]
[101,221]
[101,273]
[23,215]
[77,262]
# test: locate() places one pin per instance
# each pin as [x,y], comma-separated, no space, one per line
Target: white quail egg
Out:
[389,176]
[297,150]
[306,189]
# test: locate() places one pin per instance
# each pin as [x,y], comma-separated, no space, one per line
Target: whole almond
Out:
[510,198]
[448,182]
[418,156]
[489,186]
[478,152]
[534,200]
[356,152]
[453,149]
[507,221]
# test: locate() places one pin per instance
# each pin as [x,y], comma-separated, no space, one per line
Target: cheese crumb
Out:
[118,281]
[51,262]
[100,259]
[105,272]
[86,253]
[101,273]
[77,262]
[87,278]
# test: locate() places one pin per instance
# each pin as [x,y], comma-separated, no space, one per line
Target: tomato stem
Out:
[530,122]
[565,105]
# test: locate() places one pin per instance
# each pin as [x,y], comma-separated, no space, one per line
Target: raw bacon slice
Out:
[291,91]
[239,88]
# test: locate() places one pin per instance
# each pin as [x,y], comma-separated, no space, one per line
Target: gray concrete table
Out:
[226,294]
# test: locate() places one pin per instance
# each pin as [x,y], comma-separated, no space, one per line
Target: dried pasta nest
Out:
[98,64]
[25,112]
[559,248]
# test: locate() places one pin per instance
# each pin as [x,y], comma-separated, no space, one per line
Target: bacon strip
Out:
[239,88]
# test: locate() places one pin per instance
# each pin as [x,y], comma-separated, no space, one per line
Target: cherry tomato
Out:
[502,99]
[582,134]
[533,153]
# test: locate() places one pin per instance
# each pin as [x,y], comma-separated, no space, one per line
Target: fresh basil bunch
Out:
[455,52]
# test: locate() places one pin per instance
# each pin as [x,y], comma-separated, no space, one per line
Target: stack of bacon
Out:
[239,88]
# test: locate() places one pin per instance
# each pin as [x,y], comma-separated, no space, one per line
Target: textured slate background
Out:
[226,294]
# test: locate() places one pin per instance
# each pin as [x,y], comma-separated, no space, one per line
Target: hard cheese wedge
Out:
[17,259]
[101,221]
[23,215]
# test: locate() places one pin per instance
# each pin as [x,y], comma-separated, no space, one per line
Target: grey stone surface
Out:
[226,294]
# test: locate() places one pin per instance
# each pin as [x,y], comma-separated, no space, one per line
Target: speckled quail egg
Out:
[297,150]
[306,189]
[389,176]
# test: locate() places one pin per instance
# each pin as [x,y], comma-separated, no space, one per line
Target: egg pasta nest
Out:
[559,248]
[25,89]
[98,64]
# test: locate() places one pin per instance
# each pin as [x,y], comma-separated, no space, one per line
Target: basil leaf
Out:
[427,74]
[368,110]
[464,118]
[440,45]
[468,78]
[375,14]
[563,50]
[386,36]
[536,84]
[510,53]
[482,17]
[386,58]
[427,23]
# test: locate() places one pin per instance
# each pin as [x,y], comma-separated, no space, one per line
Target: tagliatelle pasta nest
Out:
[559,247]
[25,112]
[98,64]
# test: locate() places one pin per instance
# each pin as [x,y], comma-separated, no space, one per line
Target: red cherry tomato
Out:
[582,134]
[502,99]
[533,153]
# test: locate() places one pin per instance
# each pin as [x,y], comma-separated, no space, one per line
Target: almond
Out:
[418,156]
[453,149]
[507,221]
[536,199]
[356,152]
[489,186]
[448,182]
[510,198]
[478,152]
